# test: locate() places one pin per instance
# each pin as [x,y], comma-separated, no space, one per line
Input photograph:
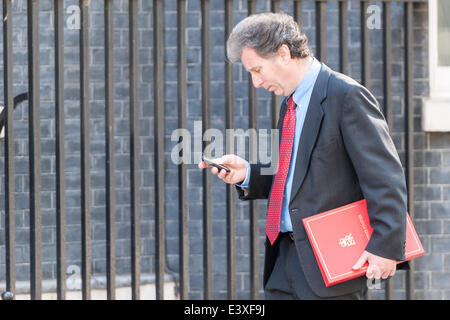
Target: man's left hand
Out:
[379,267]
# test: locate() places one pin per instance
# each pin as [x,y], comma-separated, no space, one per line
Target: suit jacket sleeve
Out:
[379,170]
[259,184]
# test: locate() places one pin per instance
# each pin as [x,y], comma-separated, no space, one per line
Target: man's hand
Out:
[379,267]
[237,165]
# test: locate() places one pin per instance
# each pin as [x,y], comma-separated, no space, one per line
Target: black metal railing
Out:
[159,136]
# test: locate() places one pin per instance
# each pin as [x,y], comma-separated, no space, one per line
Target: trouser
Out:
[287,280]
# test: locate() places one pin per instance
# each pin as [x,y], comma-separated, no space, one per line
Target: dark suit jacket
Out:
[345,154]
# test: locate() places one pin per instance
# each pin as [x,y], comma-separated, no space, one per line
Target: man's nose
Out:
[257,81]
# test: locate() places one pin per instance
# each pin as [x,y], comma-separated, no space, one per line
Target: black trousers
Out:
[287,280]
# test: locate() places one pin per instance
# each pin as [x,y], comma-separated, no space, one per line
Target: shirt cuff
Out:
[245,183]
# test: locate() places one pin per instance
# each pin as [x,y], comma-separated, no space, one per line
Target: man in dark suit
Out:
[335,149]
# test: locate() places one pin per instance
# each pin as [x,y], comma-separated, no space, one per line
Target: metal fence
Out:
[159,117]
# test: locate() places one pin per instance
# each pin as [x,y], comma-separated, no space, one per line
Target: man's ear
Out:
[284,53]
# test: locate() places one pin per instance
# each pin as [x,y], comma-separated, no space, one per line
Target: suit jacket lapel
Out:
[283,109]
[311,129]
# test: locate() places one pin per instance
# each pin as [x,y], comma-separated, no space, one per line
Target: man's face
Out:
[265,72]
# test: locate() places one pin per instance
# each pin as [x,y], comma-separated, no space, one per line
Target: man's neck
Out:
[301,66]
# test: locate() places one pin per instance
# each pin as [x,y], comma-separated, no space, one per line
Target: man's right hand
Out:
[237,165]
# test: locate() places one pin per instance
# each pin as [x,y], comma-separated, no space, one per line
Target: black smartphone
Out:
[215,164]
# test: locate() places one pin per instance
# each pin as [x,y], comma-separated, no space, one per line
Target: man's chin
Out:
[276,92]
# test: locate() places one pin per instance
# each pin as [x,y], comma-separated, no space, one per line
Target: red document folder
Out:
[339,237]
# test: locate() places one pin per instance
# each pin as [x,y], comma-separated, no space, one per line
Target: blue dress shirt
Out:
[301,97]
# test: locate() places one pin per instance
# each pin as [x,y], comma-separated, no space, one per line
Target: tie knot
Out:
[291,103]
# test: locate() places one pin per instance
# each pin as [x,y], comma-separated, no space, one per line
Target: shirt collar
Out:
[308,81]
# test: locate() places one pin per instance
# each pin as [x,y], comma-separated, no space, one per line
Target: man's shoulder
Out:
[342,88]
[342,83]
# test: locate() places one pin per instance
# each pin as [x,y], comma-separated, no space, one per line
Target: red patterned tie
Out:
[284,159]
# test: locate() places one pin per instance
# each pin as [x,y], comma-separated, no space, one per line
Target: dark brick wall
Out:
[432,150]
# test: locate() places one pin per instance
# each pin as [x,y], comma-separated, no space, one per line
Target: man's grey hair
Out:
[266,33]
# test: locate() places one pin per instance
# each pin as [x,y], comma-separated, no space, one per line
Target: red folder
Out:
[339,237]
